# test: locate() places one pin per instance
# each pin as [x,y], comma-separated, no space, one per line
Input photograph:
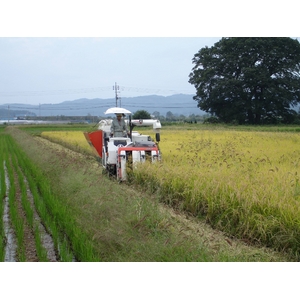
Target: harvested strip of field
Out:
[124,224]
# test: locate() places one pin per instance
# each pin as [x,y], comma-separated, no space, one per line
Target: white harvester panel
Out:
[136,156]
[154,156]
[139,138]
[122,174]
[112,153]
[112,148]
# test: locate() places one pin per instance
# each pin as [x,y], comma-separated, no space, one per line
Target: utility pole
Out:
[8,115]
[117,88]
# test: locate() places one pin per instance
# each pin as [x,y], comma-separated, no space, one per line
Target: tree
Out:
[248,80]
[169,116]
[156,114]
[141,114]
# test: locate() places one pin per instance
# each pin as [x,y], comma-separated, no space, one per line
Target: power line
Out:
[54,92]
[91,107]
[89,90]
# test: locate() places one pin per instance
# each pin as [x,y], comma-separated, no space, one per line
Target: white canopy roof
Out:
[117,110]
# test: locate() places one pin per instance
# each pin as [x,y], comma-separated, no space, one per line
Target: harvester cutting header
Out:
[118,146]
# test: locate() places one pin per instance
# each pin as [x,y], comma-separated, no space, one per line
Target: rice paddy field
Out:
[242,182]
[57,205]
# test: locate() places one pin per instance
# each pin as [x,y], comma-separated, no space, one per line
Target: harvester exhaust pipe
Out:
[130,126]
[157,137]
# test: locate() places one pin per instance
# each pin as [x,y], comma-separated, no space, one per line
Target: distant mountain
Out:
[179,104]
[12,113]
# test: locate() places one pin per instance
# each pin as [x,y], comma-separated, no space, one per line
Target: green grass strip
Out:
[41,251]
[55,215]
[16,220]
[2,196]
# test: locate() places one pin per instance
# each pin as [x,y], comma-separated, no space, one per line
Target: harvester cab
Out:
[118,153]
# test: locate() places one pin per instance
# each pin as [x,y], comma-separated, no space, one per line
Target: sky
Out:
[51,70]
[54,51]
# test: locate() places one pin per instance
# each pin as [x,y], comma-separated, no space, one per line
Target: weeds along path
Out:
[102,220]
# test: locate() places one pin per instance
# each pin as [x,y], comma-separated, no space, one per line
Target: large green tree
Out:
[248,80]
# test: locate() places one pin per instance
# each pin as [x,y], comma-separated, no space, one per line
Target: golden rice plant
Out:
[245,183]
[72,139]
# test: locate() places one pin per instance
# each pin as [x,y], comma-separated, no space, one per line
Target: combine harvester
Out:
[118,153]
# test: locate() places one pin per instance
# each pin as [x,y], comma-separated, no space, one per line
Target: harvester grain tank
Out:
[117,153]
